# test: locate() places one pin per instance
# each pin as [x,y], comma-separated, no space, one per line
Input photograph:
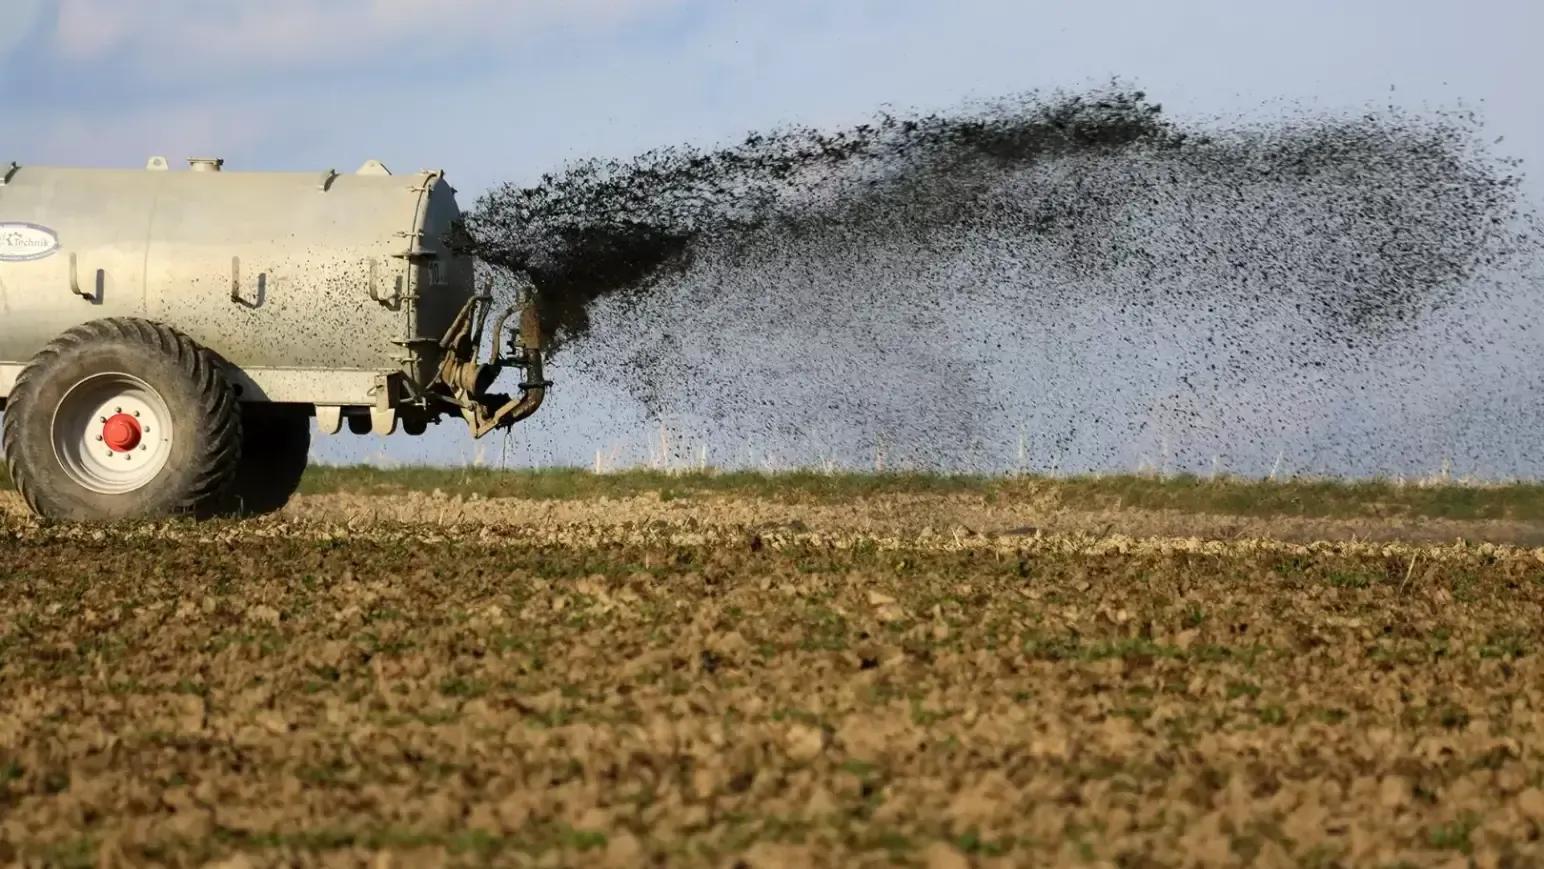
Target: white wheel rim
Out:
[112,433]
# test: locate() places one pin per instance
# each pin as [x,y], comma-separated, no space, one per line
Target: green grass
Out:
[1369,498]
[1454,836]
[1185,494]
[575,483]
[1373,499]
[538,839]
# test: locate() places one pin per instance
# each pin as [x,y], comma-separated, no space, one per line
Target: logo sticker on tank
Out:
[20,242]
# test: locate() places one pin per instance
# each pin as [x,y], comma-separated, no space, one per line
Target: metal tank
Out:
[338,296]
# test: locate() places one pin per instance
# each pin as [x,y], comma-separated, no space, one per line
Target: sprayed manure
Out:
[1072,283]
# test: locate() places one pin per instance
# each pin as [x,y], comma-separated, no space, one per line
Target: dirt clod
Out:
[851,694]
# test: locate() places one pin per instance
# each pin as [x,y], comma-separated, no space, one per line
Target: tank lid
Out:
[205,164]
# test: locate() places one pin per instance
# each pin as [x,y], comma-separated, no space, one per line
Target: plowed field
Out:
[931,680]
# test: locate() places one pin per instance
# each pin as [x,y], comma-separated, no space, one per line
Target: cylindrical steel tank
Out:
[272,270]
[165,337]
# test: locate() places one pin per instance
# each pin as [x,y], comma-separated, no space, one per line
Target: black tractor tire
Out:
[276,445]
[201,442]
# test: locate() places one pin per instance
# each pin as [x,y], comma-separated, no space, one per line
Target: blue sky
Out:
[495,90]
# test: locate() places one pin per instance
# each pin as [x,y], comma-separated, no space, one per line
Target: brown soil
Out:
[902,681]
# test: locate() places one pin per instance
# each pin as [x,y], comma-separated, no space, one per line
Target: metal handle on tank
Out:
[262,286]
[236,280]
[75,281]
[373,279]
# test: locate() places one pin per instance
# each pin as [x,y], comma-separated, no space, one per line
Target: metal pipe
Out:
[533,391]
[498,330]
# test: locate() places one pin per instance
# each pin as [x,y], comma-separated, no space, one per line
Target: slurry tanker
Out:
[167,336]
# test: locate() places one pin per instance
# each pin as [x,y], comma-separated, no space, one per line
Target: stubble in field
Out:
[314,693]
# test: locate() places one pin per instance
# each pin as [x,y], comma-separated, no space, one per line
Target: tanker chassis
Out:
[166,337]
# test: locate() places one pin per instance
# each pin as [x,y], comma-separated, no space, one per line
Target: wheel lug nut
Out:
[99,437]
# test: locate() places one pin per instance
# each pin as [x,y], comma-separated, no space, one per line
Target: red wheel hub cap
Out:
[121,433]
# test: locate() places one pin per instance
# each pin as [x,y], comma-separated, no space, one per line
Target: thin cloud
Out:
[17,23]
[172,35]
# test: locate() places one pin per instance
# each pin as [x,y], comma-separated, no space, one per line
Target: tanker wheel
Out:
[276,442]
[122,419]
